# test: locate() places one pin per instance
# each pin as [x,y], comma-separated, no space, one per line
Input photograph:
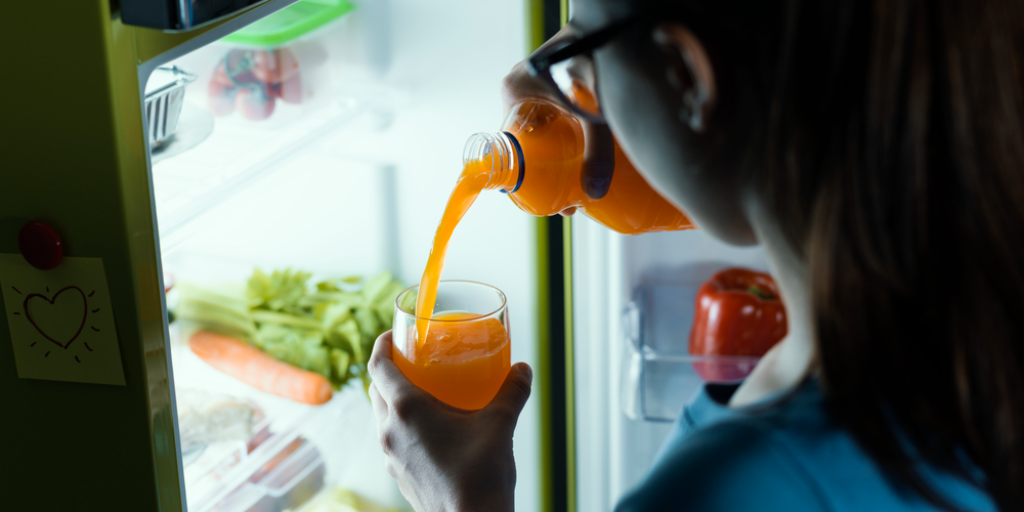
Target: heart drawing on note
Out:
[60,318]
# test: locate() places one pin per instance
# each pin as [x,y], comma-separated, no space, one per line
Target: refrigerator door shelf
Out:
[660,374]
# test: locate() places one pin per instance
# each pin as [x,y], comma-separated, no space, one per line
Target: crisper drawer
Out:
[248,451]
[660,374]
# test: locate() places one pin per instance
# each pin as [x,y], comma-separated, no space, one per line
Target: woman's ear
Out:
[689,71]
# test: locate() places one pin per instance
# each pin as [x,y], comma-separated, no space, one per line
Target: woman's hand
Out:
[446,459]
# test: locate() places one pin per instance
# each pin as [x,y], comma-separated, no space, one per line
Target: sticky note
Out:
[61,321]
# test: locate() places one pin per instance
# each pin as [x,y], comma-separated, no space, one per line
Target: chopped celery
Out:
[271,317]
[341,363]
[328,328]
[280,291]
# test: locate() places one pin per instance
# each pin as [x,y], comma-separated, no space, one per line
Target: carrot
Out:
[255,368]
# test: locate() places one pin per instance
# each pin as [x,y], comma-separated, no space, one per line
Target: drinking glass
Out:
[464,355]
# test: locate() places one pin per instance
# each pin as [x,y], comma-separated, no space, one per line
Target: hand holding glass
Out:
[461,354]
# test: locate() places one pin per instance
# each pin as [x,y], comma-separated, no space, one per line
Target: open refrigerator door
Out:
[317,145]
[634,304]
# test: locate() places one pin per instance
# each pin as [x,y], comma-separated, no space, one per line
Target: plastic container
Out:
[659,373]
[280,467]
[537,160]
[274,68]
[294,450]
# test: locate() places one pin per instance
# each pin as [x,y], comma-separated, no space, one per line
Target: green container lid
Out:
[290,23]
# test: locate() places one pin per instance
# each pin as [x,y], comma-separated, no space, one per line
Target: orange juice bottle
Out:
[537,159]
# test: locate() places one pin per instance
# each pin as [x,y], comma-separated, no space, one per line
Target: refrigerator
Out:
[132,172]
[633,304]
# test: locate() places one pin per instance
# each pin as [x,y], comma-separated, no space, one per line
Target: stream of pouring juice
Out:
[462,363]
[471,182]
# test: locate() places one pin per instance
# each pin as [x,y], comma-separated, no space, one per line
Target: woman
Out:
[876,151]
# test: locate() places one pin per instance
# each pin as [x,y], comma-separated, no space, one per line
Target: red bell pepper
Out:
[739,313]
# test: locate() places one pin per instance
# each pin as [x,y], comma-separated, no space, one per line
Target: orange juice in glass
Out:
[464,355]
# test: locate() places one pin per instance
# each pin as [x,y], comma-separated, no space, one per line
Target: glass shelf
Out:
[255,111]
[660,374]
[233,156]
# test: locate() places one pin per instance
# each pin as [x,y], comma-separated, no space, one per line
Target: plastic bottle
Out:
[537,158]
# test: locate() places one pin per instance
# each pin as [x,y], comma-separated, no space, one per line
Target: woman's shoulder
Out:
[789,456]
[732,465]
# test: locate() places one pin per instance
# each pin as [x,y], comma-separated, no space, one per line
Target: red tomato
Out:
[275,66]
[220,75]
[239,67]
[220,98]
[290,91]
[739,313]
[254,104]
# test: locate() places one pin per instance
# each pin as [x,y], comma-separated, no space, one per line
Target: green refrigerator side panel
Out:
[554,386]
[73,155]
[73,446]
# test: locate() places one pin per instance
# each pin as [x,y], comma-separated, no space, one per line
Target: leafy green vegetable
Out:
[292,320]
[223,311]
[328,328]
[299,347]
[343,500]
[280,291]
[340,363]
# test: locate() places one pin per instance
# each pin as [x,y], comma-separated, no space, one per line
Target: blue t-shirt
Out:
[788,455]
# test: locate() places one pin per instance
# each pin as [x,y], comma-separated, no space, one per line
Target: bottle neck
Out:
[503,154]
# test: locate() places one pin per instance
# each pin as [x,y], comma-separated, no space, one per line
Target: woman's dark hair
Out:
[888,140]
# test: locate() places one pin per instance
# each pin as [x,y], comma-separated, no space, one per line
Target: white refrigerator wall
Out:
[366,196]
[613,452]
[452,56]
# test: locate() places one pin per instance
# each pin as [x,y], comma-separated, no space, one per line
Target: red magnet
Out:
[40,245]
